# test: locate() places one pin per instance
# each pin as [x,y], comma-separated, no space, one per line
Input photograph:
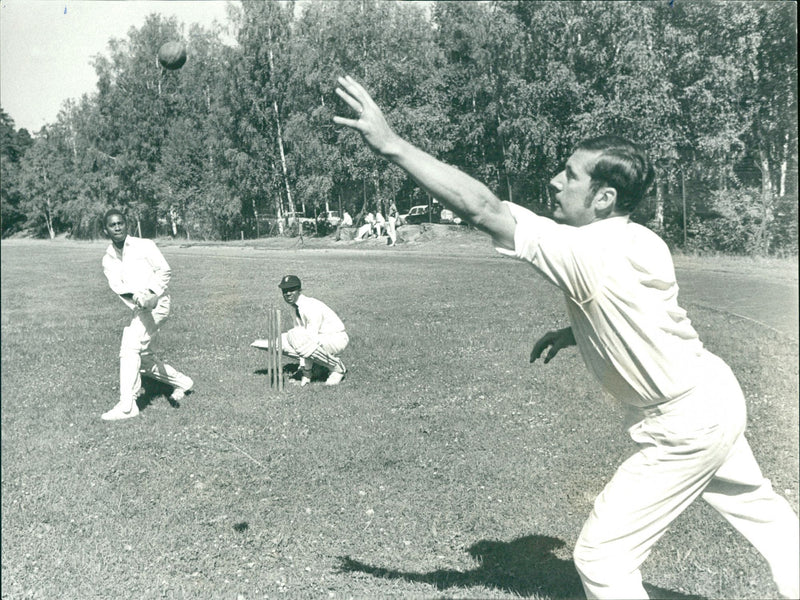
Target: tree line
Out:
[241,138]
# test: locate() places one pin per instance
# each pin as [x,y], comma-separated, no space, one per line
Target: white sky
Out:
[46,47]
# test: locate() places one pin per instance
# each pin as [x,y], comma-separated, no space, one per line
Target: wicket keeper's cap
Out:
[289,282]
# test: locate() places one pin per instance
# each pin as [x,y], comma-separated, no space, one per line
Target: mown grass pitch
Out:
[445,466]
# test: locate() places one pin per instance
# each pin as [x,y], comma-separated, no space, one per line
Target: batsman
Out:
[137,271]
[685,409]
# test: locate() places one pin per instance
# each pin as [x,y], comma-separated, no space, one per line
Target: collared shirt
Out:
[139,267]
[316,317]
[619,284]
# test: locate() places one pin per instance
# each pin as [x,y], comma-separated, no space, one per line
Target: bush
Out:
[735,225]
[784,230]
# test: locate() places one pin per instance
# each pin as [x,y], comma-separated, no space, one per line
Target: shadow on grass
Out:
[524,567]
[154,389]
[292,371]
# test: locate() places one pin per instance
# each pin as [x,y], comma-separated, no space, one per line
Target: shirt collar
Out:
[614,221]
[112,249]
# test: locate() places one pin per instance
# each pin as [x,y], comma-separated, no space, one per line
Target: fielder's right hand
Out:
[369,121]
[556,340]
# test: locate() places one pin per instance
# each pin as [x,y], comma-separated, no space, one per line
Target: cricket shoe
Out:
[117,414]
[304,381]
[335,378]
[179,392]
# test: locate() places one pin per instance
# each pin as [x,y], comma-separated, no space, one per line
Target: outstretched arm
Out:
[466,196]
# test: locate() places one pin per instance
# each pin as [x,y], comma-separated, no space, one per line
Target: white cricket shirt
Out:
[619,284]
[140,267]
[316,316]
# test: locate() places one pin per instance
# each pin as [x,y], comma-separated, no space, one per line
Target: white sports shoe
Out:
[334,378]
[179,392]
[304,381]
[117,414]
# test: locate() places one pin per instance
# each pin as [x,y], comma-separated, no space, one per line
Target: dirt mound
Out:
[426,232]
[426,236]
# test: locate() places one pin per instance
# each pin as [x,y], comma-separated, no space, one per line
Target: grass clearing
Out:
[445,466]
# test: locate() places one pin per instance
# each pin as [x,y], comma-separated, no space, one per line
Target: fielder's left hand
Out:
[556,340]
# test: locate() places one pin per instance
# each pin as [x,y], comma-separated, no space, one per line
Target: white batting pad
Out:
[263,344]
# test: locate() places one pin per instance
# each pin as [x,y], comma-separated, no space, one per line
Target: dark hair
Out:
[111,212]
[621,165]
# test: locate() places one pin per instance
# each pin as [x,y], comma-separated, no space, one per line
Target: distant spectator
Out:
[366,227]
[380,224]
[345,223]
[391,224]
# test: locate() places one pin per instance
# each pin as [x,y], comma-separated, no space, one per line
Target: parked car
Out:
[292,217]
[448,216]
[331,217]
[417,214]
[420,214]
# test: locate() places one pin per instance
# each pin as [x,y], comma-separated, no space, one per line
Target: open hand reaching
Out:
[370,122]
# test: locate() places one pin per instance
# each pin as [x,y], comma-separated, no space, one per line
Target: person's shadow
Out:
[291,371]
[152,389]
[523,567]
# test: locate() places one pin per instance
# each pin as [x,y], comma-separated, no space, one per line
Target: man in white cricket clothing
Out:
[318,335]
[685,409]
[366,228]
[137,272]
[380,224]
[391,223]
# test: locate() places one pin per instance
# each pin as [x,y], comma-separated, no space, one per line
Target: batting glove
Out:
[146,300]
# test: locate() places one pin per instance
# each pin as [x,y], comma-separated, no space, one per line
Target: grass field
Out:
[445,466]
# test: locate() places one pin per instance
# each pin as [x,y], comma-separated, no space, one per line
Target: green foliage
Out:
[13,145]
[736,225]
[785,228]
[503,90]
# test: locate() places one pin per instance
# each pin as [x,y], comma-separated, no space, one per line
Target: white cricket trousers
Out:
[136,358]
[689,447]
[321,348]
